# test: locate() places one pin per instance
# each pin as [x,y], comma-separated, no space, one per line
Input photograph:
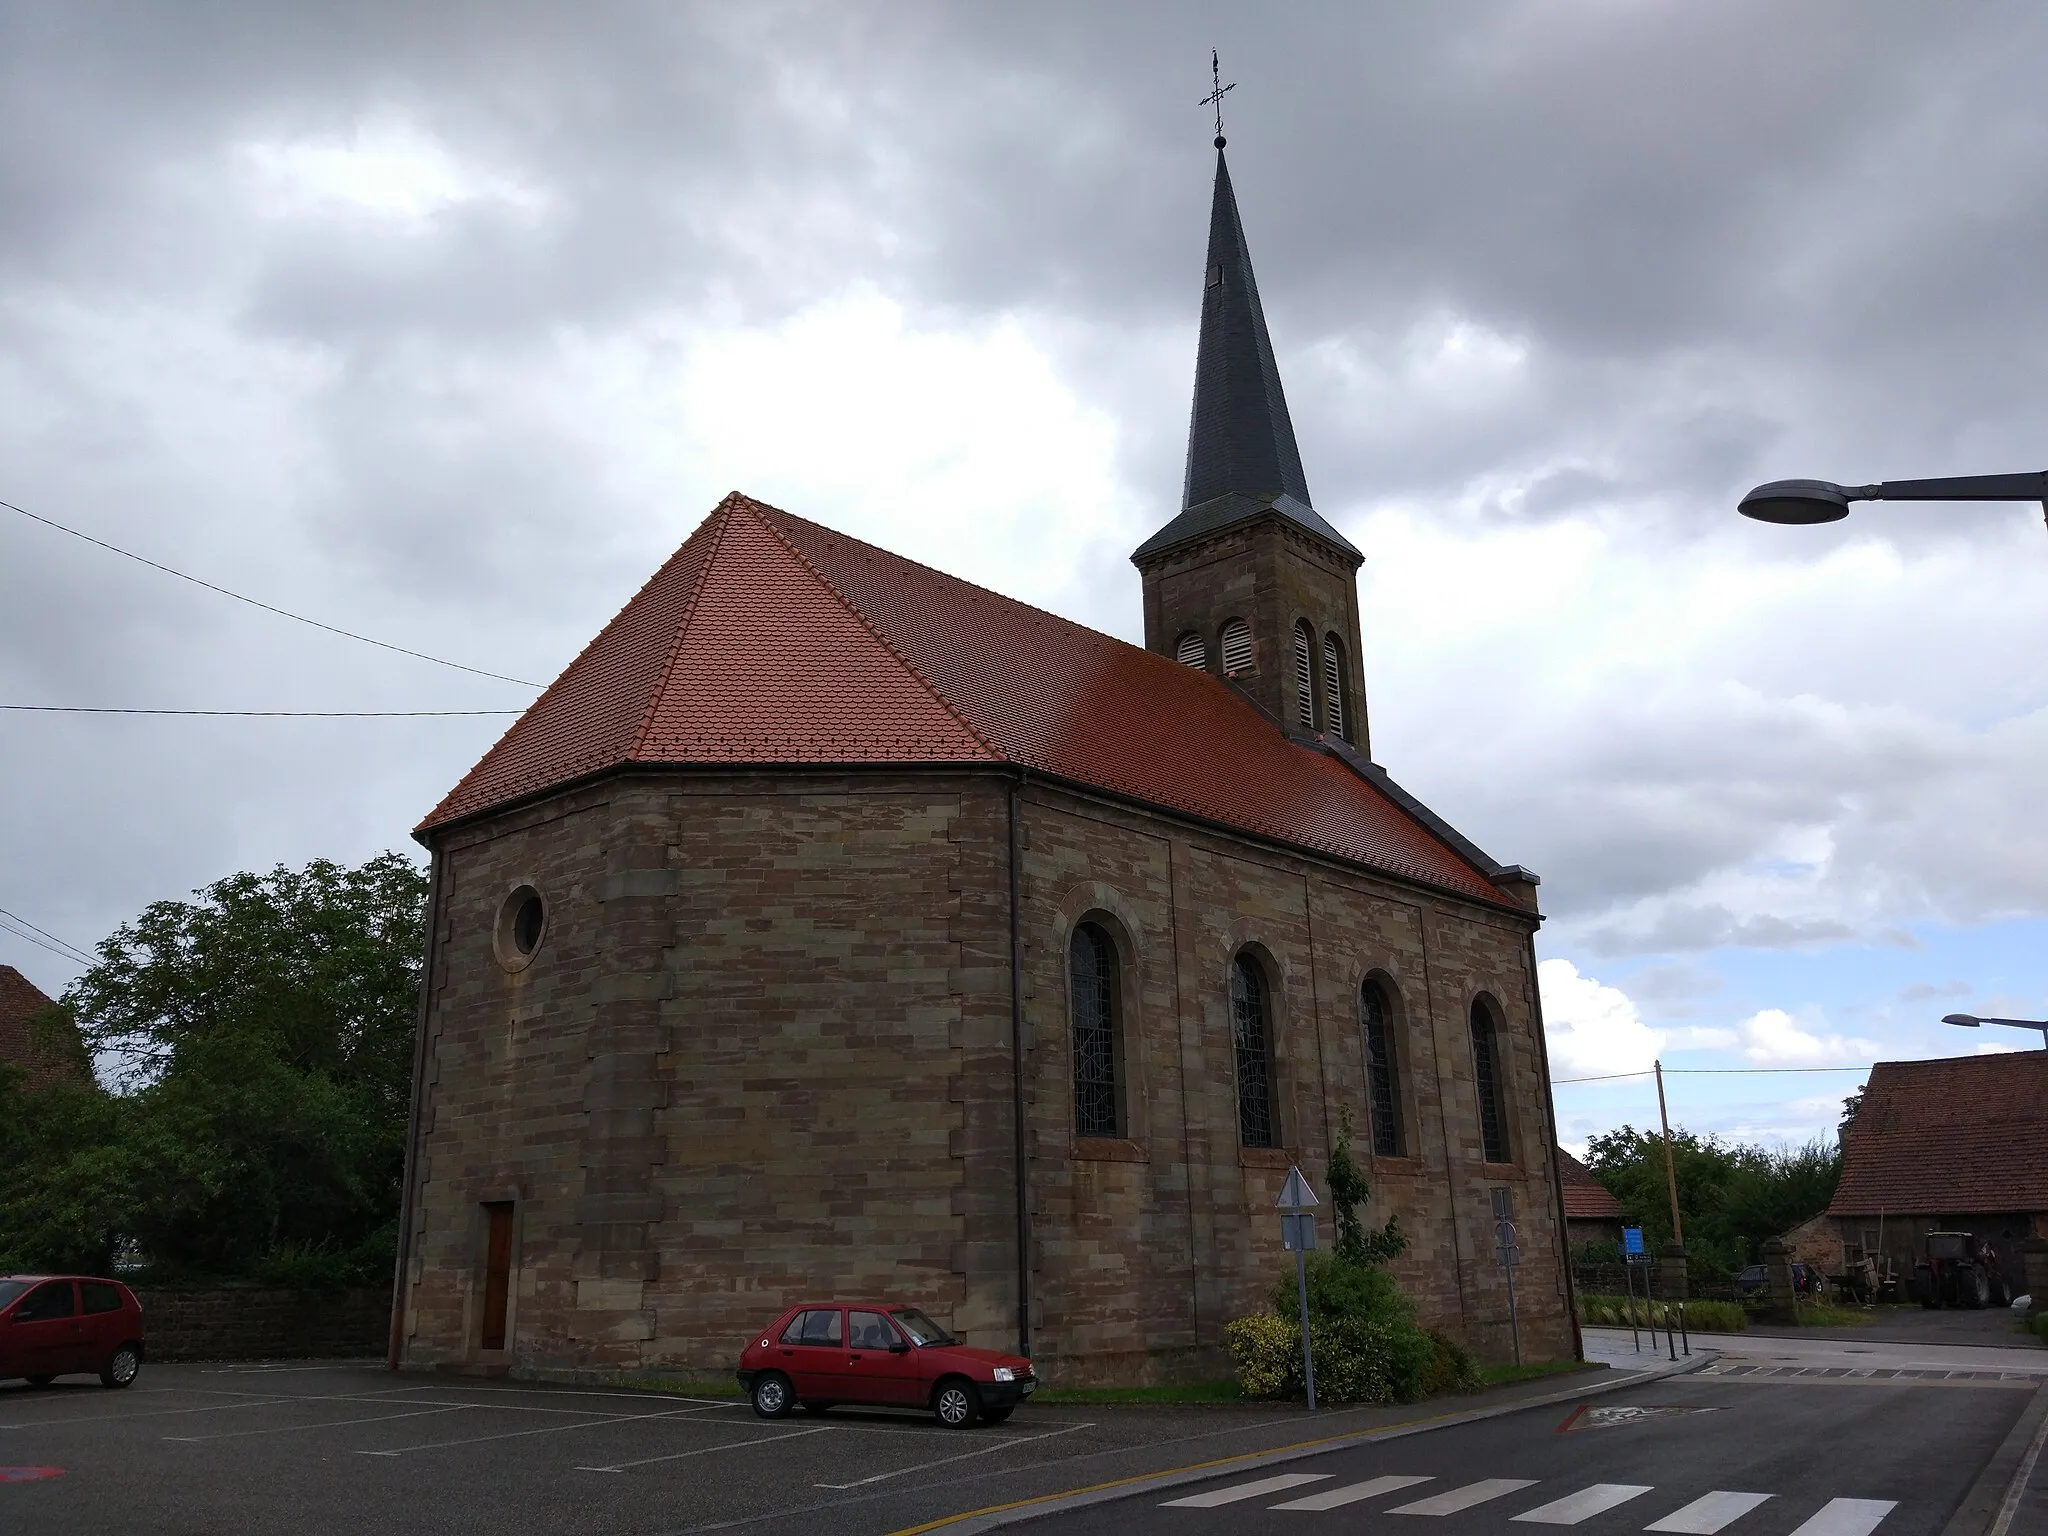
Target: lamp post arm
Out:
[2028,487]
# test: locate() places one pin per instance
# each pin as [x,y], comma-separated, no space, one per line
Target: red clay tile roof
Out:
[20,1001]
[1964,1135]
[1585,1197]
[768,639]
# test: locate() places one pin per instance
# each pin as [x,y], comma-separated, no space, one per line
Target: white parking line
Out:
[515,1434]
[1584,1504]
[1351,1493]
[706,1450]
[1706,1514]
[147,1413]
[980,1450]
[1848,1517]
[1246,1490]
[287,1429]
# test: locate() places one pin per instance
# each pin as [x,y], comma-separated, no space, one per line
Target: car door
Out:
[100,1305]
[48,1334]
[878,1360]
[814,1353]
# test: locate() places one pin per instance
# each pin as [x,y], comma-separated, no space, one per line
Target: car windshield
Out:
[921,1328]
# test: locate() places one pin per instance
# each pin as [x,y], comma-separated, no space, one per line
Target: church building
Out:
[836,928]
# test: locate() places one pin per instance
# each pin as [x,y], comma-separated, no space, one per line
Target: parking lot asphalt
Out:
[353,1447]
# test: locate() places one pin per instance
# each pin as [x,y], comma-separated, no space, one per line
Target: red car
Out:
[827,1352]
[65,1325]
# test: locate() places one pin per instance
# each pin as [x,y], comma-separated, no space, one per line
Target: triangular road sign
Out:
[1295,1195]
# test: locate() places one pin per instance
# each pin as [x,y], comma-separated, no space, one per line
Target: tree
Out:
[259,1043]
[1348,1191]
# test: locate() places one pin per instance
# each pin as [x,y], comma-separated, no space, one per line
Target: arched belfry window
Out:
[1257,1125]
[1486,1078]
[1098,1099]
[1382,1082]
[1237,647]
[1189,651]
[1304,677]
[1333,686]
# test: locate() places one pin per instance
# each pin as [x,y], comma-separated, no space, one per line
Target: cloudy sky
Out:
[446,324]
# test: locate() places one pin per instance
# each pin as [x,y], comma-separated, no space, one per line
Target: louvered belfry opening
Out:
[1304,678]
[1091,962]
[1255,1118]
[1237,647]
[1189,651]
[1493,1129]
[1376,1019]
[1333,686]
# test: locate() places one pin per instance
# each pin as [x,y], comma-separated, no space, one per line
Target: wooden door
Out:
[497,1273]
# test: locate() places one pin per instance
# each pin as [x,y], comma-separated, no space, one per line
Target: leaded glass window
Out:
[1092,965]
[1304,679]
[1255,1119]
[1333,686]
[1375,1017]
[1493,1125]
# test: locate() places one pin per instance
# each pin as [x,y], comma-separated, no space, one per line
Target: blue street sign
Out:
[1632,1242]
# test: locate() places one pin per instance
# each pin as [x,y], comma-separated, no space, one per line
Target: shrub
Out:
[1597,1311]
[2041,1326]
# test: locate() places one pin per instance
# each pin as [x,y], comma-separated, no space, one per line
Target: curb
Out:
[973,1521]
[1994,1498]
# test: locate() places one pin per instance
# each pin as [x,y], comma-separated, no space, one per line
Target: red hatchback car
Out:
[827,1352]
[64,1325]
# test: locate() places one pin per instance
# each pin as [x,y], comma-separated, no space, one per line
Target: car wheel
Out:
[956,1403]
[40,1381]
[772,1396]
[997,1415]
[125,1366]
[816,1409]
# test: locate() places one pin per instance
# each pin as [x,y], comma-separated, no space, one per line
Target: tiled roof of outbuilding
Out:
[1585,1197]
[1961,1135]
[769,639]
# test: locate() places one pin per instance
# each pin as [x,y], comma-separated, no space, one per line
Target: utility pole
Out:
[1670,1172]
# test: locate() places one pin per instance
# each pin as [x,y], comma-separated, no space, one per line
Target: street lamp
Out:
[1971,1021]
[1822,501]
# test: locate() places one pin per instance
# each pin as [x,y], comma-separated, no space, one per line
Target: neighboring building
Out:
[46,1048]
[1591,1213]
[1955,1145]
[1817,1241]
[754,935]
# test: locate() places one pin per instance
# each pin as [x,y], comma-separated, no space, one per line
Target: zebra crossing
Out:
[1707,1515]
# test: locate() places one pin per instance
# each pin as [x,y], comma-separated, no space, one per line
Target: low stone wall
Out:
[253,1323]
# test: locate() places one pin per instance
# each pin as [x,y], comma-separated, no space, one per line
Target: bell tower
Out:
[1249,582]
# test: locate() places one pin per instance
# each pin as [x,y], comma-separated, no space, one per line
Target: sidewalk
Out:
[1612,1346]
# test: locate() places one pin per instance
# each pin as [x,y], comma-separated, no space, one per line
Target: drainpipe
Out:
[412,1124]
[1017,1080]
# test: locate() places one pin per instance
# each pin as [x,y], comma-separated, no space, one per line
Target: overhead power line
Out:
[283,613]
[1611,1077]
[291,714]
[22,928]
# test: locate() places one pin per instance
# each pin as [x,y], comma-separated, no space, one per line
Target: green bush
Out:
[1358,1360]
[1707,1316]
[2041,1326]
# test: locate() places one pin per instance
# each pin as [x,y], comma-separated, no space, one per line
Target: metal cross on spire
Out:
[1215,97]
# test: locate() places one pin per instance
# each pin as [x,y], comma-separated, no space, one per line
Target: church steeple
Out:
[1249,552]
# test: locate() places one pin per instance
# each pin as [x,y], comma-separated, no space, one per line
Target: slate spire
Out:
[1242,459]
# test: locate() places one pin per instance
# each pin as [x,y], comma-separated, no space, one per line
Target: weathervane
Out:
[1215,97]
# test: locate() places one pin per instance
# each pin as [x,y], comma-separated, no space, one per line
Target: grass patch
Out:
[1503,1375]
[1700,1316]
[1818,1314]
[1193,1392]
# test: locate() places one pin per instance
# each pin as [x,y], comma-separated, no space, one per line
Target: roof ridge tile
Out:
[720,520]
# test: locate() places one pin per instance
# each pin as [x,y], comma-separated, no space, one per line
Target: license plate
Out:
[1030,1387]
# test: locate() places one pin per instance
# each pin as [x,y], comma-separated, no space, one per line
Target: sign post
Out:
[1509,1252]
[1298,1236]
[1633,1257]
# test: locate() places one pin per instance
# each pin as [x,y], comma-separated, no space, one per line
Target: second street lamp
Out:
[1971,1021]
[1822,501]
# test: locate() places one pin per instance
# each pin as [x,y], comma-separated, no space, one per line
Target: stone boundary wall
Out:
[256,1323]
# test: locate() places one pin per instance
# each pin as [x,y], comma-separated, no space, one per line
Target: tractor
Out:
[1960,1270]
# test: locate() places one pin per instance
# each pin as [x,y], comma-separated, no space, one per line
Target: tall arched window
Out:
[1333,686]
[1304,677]
[1493,1120]
[1237,647]
[1189,651]
[1091,963]
[1375,1017]
[1257,1125]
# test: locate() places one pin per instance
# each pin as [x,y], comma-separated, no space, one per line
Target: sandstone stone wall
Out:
[253,1323]
[763,1055]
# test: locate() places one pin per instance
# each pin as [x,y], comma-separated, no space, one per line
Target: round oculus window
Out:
[522,924]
